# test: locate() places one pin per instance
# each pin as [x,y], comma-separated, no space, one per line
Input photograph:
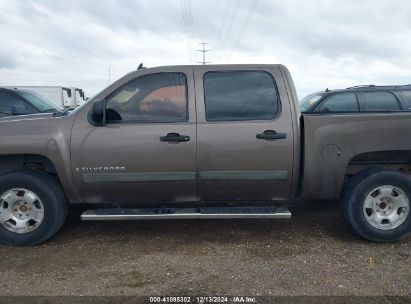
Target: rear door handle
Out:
[271,135]
[174,137]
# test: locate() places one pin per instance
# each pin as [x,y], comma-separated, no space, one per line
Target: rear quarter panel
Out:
[332,140]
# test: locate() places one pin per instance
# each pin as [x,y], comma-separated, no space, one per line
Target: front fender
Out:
[43,135]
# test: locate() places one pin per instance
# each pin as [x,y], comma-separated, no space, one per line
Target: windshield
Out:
[309,101]
[39,102]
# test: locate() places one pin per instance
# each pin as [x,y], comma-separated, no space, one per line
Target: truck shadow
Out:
[138,254]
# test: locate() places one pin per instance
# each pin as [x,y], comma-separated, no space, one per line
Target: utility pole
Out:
[204,52]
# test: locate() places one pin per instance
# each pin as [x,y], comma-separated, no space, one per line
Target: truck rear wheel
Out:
[32,207]
[376,204]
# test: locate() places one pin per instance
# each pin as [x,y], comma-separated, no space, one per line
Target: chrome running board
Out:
[116,214]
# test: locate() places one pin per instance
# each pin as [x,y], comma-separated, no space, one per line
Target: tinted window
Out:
[310,101]
[407,95]
[345,102]
[381,101]
[245,95]
[38,101]
[12,105]
[152,98]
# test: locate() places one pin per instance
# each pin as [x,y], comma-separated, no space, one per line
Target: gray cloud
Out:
[324,43]
[6,61]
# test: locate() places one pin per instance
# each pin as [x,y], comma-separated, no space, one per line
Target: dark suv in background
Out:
[22,102]
[369,98]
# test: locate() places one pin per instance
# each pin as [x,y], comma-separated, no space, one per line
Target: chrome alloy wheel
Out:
[386,207]
[21,210]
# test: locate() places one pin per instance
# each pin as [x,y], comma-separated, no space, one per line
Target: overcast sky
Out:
[327,43]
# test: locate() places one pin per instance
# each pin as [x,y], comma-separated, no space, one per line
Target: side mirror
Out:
[97,115]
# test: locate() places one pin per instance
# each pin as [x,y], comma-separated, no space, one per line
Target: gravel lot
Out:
[312,254]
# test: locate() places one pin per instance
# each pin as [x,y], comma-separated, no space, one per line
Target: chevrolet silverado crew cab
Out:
[215,141]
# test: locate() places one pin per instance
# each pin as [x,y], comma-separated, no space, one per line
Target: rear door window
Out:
[344,102]
[240,95]
[381,101]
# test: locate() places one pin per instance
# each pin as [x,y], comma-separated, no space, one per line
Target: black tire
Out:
[52,197]
[355,193]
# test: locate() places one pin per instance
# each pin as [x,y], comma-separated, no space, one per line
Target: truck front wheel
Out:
[376,204]
[32,207]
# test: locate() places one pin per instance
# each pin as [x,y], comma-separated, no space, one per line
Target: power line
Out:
[186,24]
[244,26]
[204,52]
[223,24]
[230,25]
[190,18]
[190,25]
[194,18]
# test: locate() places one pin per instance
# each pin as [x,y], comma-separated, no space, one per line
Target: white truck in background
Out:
[66,97]
[79,96]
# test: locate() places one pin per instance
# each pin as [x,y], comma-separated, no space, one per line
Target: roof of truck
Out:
[209,66]
[245,65]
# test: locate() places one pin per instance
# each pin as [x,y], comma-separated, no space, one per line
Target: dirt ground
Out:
[311,254]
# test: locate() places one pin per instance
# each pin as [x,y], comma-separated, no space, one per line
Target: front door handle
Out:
[174,137]
[271,135]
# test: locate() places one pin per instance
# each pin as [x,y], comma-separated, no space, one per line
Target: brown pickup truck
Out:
[215,141]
